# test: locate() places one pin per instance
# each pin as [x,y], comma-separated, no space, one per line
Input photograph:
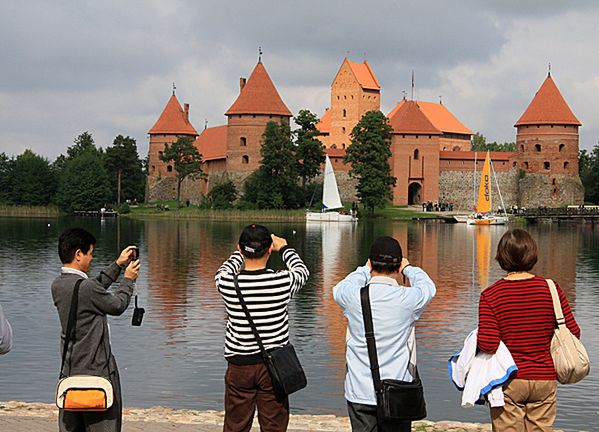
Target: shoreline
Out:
[159,414]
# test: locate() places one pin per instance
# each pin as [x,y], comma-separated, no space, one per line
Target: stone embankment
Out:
[14,413]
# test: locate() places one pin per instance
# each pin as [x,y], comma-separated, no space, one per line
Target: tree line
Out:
[588,163]
[86,177]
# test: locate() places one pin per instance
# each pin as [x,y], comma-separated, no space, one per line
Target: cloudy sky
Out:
[108,66]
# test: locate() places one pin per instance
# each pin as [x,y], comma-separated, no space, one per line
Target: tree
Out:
[124,165]
[83,184]
[186,159]
[222,195]
[6,179]
[34,182]
[479,143]
[369,153]
[82,143]
[588,166]
[308,148]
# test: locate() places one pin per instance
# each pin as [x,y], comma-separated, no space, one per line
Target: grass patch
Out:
[29,211]
[403,213]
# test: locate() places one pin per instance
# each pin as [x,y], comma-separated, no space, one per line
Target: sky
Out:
[108,67]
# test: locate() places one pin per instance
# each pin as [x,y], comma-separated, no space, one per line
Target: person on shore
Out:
[518,310]
[267,293]
[5,333]
[89,350]
[395,309]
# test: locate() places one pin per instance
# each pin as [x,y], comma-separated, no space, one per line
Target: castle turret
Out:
[172,123]
[547,150]
[258,103]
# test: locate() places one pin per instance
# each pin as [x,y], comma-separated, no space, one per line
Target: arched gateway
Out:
[415,194]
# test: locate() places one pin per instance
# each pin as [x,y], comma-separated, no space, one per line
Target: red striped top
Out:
[520,313]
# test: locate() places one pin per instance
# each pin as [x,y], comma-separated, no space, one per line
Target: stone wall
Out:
[540,190]
[457,187]
[165,189]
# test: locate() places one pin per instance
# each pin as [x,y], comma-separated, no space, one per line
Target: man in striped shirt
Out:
[267,294]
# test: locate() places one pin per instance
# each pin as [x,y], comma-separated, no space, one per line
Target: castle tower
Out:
[257,104]
[354,92]
[547,151]
[172,123]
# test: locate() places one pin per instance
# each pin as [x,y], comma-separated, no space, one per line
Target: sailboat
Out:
[330,200]
[484,210]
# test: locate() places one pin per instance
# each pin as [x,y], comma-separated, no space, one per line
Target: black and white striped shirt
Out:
[267,293]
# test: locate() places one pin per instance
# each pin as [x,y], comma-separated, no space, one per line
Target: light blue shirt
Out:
[394,310]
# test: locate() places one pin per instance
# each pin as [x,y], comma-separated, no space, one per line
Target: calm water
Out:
[175,358]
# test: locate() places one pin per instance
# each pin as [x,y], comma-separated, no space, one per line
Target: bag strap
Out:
[371,343]
[557,305]
[70,324]
[249,317]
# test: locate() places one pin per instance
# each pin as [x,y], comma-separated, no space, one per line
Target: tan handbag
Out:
[569,355]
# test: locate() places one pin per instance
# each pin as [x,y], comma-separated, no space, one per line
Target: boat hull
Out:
[488,220]
[329,217]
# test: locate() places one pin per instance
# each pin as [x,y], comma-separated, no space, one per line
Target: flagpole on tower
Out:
[412,84]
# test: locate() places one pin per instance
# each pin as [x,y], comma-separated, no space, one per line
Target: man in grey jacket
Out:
[89,352]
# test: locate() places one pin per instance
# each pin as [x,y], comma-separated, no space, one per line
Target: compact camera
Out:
[138,315]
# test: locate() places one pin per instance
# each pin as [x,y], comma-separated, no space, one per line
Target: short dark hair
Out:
[254,241]
[516,251]
[385,255]
[72,239]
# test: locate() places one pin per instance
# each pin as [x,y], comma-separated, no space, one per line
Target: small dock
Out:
[559,215]
[96,213]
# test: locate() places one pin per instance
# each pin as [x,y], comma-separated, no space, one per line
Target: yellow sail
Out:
[484,192]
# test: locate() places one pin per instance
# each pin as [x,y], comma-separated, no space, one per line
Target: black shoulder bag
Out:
[396,400]
[282,363]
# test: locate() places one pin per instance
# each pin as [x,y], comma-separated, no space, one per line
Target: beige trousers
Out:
[530,406]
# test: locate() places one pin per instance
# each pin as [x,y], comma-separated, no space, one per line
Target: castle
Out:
[431,156]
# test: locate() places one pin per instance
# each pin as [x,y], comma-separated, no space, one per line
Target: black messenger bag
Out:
[396,400]
[283,366]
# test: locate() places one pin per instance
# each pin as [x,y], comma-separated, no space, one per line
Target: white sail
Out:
[330,193]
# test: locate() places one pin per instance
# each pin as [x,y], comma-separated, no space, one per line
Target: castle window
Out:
[416,136]
[344,113]
[345,97]
[515,164]
[169,168]
[546,165]
[343,145]
[333,146]
[416,154]
[254,116]
[456,148]
[342,130]
[403,136]
[526,165]
[337,97]
[566,165]
[239,116]
[521,147]
[561,147]
[352,96]
[430,137]
[153,168]
[160,154]
[243,141]
[245,159]
[270,116]
[538,147]
[553,182]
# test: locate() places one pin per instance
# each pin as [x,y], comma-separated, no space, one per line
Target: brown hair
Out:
[516,251]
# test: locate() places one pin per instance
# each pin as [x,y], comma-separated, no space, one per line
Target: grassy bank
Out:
[29,211]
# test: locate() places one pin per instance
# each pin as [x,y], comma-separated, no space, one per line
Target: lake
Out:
[175,358]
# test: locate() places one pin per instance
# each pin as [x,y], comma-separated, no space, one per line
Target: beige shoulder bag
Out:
[569,355]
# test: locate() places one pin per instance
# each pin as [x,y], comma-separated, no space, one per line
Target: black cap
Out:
[386,250]
[254,239]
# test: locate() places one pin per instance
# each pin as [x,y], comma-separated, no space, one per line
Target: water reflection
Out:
[181,341]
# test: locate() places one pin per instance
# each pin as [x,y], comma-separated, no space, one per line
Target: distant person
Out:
[267,292]
[518,310]
[5,333]
[90,353]
[395,309]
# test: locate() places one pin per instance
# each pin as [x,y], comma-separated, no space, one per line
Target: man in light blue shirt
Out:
[395,308]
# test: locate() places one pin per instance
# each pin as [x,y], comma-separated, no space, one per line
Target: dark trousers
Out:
[363,419]
[249,386]
[105,421]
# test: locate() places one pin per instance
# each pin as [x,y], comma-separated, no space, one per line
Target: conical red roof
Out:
[259,96]
[173,120]
[408,118]
[548,107]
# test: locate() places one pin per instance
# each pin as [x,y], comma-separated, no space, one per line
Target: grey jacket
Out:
[90,353]
[5,333]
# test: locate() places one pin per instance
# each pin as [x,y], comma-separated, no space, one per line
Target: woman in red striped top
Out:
[518,310]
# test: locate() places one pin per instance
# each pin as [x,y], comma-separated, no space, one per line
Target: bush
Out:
[124,208]
[222,196]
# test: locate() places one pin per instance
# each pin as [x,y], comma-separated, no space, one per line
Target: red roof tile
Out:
[548,107]
[407,118]
[364,74]
[324,125]
[212,143]
[259,96]
[173,120]
[439,116]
